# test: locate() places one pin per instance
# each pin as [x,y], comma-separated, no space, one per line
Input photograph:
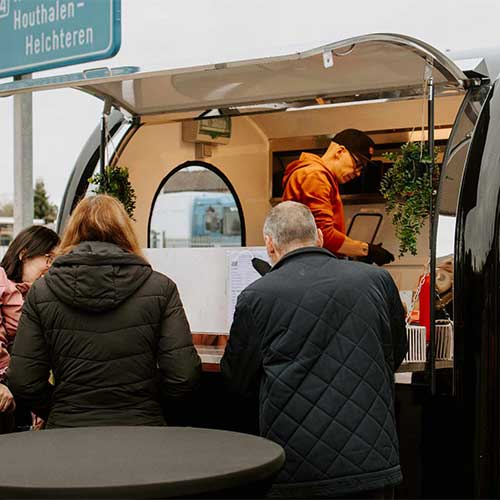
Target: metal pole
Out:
[102,147]
[104,131]
[432,259]
[23,159]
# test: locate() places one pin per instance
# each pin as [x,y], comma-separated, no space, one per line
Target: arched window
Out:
[196,206]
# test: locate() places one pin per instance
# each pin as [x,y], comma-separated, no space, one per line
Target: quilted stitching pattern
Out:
[327,390]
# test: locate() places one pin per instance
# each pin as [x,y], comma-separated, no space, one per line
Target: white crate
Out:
[444,340]
[416,344]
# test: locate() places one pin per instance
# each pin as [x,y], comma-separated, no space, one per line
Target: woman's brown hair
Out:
[34,241]
[100,218]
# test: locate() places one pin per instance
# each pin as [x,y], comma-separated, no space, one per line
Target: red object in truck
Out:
[425,306]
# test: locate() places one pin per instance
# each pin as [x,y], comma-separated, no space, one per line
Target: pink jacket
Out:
[11,304]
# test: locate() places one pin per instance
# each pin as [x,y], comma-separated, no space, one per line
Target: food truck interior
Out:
[206,149]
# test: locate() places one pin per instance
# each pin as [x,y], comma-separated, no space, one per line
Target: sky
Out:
[160,34]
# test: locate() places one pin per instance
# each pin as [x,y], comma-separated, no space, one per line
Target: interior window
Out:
[195,207]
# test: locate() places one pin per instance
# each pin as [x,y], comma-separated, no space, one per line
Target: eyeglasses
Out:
[360,161]
[49,258]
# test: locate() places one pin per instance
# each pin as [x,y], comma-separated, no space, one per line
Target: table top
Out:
[110,462]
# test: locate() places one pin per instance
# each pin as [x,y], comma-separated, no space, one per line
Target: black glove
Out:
[261,266]
[378,254]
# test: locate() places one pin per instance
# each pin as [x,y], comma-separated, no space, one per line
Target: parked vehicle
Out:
[195,219]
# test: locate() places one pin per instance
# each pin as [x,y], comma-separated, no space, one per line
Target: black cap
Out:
[355,141]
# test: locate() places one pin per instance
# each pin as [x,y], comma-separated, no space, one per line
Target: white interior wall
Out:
[156,149]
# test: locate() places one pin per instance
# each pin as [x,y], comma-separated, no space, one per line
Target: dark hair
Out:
[33,241]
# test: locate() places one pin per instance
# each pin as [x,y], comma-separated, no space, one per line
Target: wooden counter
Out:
[211,355]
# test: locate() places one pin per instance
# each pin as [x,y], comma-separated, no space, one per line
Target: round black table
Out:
[134,462]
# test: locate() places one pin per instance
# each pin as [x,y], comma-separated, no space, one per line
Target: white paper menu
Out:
[241,274]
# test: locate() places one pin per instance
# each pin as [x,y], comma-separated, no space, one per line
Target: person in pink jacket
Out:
[28,257]
[11,300]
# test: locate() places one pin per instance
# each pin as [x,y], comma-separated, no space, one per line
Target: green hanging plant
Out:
[115,182]
[407,189]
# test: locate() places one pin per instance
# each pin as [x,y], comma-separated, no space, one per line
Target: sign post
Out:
[37,35]
[23,160]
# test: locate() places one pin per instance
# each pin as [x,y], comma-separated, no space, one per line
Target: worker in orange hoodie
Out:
[314,181]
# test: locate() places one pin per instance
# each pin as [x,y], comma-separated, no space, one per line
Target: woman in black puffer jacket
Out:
[112,330]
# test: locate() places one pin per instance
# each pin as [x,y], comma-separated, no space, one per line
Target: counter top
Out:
[211,355]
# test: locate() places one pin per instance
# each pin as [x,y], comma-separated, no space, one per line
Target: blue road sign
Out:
[43,34]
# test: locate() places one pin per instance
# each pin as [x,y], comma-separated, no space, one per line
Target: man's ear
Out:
[271,250]
[340,151]
[319,241]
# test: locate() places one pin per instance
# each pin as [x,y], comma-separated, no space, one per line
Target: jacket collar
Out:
[302,251]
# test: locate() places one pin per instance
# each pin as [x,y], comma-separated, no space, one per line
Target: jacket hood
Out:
[305,160]
[96,276]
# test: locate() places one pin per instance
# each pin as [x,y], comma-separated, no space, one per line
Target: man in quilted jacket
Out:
[319,339]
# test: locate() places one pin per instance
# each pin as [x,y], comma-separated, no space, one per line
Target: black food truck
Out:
[205,150]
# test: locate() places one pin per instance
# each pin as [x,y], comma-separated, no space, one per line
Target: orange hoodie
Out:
[309,181]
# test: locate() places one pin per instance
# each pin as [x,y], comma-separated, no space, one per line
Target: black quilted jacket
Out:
[322,338]
[113,332]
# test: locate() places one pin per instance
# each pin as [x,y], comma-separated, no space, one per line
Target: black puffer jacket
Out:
[321,338]
[113,332]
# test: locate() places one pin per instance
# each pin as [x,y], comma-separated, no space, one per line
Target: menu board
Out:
[209,281]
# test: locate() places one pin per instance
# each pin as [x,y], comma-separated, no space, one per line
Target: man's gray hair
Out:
[290,222]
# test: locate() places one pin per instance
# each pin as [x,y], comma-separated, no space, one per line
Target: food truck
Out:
[206,147]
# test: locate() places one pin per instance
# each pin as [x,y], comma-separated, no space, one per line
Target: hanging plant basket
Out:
[407,189]
[115,182]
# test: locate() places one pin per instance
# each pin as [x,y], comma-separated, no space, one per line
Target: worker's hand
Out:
[261,266]
[7,402]
[378,254]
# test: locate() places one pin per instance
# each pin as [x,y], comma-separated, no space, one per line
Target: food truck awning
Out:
[363,68]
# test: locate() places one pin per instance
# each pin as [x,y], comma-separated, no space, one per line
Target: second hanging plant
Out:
[115,182]
[407,189]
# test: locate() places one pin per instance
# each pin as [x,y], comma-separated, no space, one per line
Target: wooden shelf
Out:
[418,366]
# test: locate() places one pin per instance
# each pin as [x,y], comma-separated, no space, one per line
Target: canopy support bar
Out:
[104,133]
[432,270]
